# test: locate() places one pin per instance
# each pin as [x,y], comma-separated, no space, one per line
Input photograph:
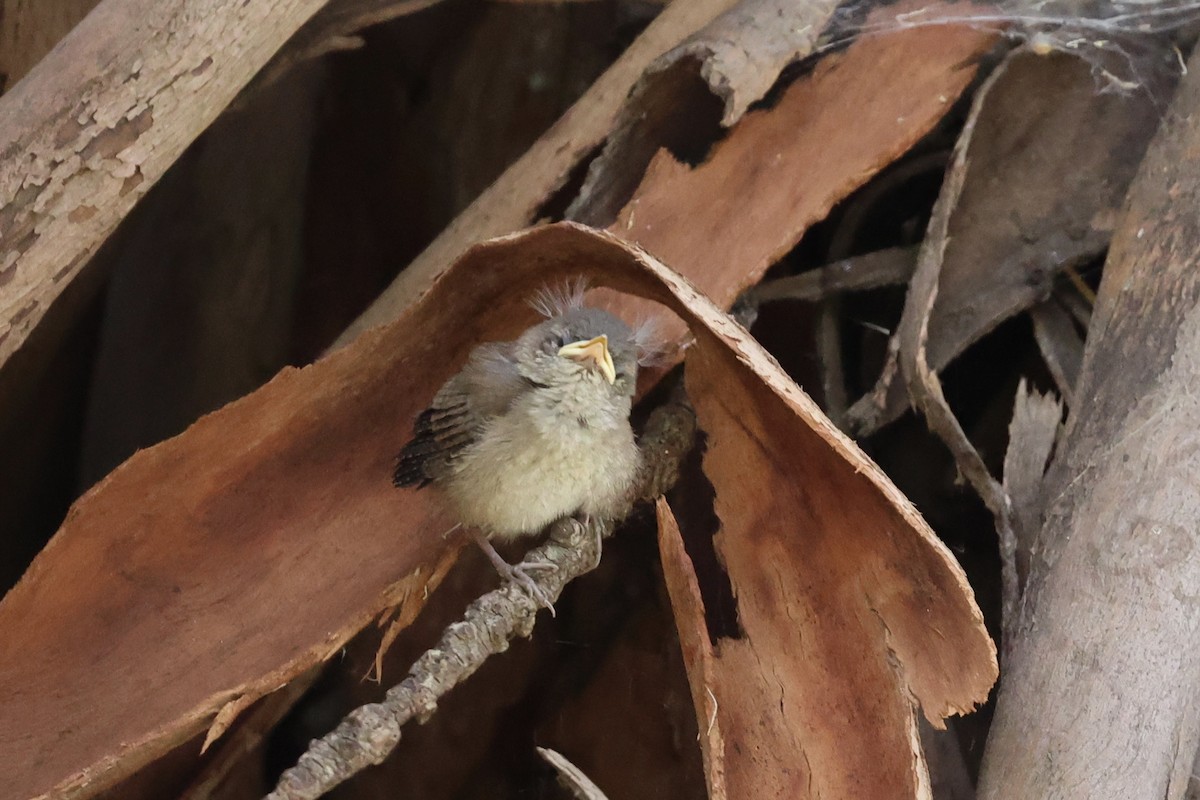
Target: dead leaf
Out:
[239,554]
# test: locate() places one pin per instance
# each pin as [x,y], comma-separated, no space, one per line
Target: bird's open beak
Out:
[594,350]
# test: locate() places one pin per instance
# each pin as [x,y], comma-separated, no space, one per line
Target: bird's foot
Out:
[517,573]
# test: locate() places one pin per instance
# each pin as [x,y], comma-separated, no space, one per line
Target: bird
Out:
[534,430]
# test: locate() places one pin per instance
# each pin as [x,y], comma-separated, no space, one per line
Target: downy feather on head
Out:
[560,298]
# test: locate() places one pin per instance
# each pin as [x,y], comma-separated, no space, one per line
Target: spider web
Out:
[1129,44]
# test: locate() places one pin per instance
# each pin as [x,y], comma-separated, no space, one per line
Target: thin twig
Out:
[369,733]
[571,777]
[1060,344]
[1076,305]
[830,350]
[830,355]
[1080,284]
[889,267]
[922,381]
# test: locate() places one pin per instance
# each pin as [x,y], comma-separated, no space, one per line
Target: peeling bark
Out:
[513,200]
[99,120]
[1102,698]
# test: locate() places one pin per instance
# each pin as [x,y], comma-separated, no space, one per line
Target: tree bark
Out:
[102,117]
[512,202]
[1101,699]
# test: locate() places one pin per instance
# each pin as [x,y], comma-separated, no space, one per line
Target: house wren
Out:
[534,430]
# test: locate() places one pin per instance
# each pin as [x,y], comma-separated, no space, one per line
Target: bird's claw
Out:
[583,524]
[516,573]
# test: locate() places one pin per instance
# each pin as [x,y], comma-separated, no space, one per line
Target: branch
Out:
[369,733]
[337,27]
[924,386]
[1060,344]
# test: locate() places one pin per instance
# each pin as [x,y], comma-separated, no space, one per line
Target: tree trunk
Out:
[1100,698]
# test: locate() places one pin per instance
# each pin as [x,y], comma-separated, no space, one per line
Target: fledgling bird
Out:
[534,430]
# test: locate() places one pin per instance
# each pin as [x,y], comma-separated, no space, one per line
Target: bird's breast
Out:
[522,474]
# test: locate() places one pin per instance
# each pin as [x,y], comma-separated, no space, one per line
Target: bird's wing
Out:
[486,387]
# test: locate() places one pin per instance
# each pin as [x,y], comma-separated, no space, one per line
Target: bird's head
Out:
[581,346]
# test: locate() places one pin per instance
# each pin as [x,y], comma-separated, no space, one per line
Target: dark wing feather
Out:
[459,412]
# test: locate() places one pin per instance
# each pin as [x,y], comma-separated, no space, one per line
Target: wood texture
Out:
[1048,168]
[726,221]
[698,88]
[1102,699]
[101,118]
[513,200]
[850,614]
[265,536]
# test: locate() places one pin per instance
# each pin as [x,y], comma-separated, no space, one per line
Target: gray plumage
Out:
[525,435]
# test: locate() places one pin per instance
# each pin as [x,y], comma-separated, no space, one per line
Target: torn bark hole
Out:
[693,500]
[555,205]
